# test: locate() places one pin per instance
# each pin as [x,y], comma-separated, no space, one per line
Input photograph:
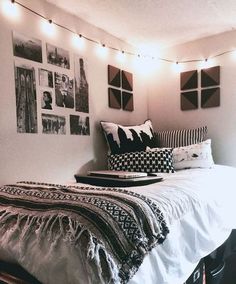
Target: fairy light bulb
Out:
[48,27]
[177,67]
[10,9]
[101,51]
[120,56]
[78,41]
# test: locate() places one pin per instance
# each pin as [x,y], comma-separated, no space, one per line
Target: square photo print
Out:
[79,125]
[27,47]
[58,56]
[53,124]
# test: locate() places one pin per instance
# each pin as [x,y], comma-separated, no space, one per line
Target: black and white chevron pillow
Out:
[180,138]
[149,162]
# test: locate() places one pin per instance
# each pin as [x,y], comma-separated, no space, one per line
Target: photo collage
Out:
[53,86]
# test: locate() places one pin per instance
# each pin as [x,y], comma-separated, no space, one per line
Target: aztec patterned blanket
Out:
[114,227]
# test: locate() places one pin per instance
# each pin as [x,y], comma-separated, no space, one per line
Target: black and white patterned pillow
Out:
[125,139]
[149,162]
[193,156]
[180,138]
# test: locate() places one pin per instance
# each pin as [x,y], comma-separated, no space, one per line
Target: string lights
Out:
[78,40]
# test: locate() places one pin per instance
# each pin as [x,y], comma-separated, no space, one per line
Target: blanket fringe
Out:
[95,253]
[55,228]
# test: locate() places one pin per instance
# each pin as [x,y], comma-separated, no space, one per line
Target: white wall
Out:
[164,94]
[56,158]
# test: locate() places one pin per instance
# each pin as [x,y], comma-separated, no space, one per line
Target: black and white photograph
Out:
[45,78]
[64,91]
[58,56]
[26,101]
[46,99]
[27,47]
[53,124]
[81,85]
[79,125]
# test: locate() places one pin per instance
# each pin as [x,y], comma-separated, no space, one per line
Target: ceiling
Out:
[154,24]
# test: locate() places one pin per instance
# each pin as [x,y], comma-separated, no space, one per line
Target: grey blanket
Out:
[114,228]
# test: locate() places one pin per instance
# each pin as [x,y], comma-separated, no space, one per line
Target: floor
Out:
[229,276]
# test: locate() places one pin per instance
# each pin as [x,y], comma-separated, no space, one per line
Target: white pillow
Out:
[192,156]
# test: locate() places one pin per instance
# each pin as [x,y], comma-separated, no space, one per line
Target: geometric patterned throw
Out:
[113,227]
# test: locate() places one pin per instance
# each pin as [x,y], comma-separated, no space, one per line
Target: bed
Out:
[193,212]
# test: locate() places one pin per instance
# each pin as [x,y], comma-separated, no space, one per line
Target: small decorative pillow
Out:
[193,156]
[180,138]
[148,162]
[124,139]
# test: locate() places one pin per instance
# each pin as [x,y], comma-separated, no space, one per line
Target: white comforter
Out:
[198,205]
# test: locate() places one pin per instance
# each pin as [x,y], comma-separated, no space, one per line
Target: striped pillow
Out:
[180,138]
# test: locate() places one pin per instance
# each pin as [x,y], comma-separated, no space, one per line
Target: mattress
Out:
[198,207]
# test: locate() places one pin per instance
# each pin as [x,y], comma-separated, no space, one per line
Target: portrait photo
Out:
[64,90]
[46,100]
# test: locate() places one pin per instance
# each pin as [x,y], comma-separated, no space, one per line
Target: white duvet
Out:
[198,205]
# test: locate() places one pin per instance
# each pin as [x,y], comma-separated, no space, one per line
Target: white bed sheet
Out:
[198,205]
[200,209]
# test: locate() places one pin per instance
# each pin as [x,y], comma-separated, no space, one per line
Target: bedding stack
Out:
[139,149]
